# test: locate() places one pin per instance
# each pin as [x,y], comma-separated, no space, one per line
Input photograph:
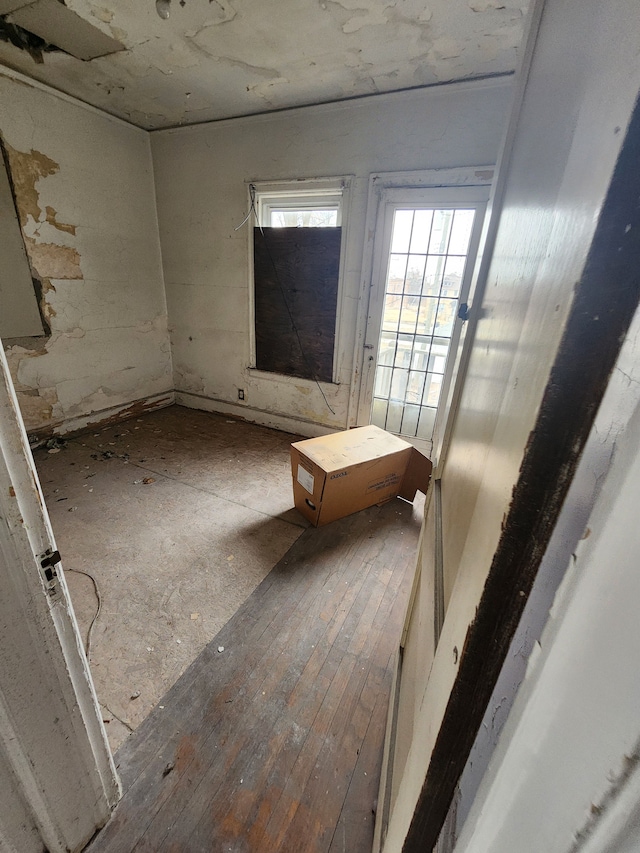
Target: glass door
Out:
[421,278]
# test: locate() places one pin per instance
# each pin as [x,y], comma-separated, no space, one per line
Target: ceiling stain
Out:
[252,56]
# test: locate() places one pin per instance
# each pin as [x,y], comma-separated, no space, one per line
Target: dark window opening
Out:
[296,272]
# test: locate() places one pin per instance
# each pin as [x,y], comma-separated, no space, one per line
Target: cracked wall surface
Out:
[227,58]
[84,193]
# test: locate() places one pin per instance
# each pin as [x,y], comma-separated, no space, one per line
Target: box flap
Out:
[417,475]
[350,447]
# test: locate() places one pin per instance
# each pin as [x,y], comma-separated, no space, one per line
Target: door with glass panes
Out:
[426,243]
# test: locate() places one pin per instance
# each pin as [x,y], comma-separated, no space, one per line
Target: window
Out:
[291,209]
[296,251]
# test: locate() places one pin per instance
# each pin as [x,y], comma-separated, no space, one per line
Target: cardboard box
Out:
[335,475]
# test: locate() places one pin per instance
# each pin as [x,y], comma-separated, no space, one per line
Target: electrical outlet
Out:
[240,393]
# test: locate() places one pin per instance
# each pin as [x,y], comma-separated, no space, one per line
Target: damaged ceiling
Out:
[214,59]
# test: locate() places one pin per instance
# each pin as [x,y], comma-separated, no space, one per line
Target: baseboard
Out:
[383,808]
[284,423]
[102,417]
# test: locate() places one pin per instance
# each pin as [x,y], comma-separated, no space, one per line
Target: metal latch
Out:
[463,312]
[49,561]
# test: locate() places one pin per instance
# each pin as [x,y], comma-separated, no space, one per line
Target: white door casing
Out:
[62,783]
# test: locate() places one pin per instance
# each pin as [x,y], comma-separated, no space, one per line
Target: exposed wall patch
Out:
[49,260]
[27,167]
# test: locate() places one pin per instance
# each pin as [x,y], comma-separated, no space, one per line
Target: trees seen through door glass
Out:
[425,270]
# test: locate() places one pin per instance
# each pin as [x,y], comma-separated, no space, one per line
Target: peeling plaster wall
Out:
[201,174]
[86,204]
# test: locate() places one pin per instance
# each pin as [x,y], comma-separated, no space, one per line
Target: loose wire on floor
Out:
[119,719]
[87,646]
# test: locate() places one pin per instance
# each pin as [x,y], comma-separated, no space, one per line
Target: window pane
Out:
[442,220]
[432,386]
[403,351]
[387,348]
[288,218]
[397,273]
[415,273]
[410,420]
[427,315]
[391,316]
[461,232]
[452,280]
[438,356]
[445,317]
[399,383]
[421,231]
[409,315]
[421,353]
[415,387]
[383,382]
[394,417]
[401,235]
[433,275]
[426,423]
[379,413]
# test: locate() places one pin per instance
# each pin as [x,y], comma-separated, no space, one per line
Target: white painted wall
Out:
[85,191]
[201,184]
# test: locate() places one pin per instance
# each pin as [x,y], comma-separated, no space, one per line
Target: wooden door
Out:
[59,782]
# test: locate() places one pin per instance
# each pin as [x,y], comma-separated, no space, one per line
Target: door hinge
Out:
[48,561]
[463,312]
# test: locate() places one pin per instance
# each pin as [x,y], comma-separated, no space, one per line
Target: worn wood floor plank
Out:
[275,744]
[300,632]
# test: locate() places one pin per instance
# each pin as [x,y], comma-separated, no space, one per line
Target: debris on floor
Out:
[160,556]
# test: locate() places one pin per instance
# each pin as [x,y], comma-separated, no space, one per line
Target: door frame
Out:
[381,184]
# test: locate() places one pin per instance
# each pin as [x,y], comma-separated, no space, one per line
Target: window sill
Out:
[254,373]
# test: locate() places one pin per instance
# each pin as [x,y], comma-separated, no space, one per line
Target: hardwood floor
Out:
[272,739]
